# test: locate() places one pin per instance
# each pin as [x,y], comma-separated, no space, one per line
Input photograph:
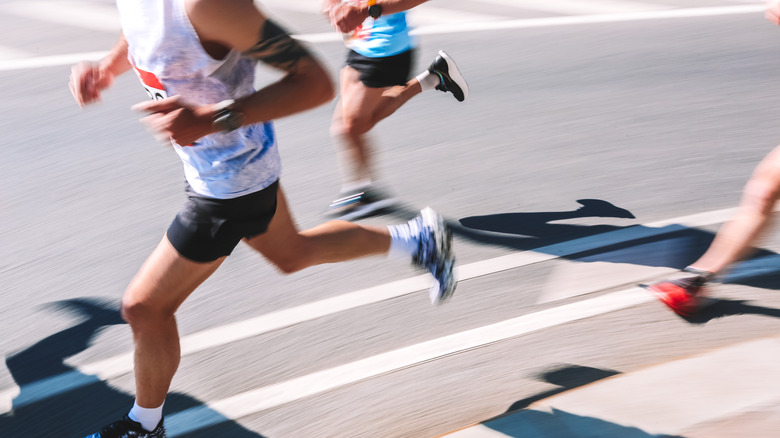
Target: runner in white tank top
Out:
[232,166]
[170,60]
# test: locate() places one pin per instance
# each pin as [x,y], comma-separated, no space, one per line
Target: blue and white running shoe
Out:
[434,253]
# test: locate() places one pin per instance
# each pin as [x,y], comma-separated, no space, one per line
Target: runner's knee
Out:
[761,194]
[140,315]
[289,264]
[351,127]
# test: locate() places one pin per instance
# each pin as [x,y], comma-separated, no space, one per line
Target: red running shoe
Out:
[683,296]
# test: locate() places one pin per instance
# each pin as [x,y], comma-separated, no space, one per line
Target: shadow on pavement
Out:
[560,424]
[536,231]
[566,377]
[42,411]
[722,308]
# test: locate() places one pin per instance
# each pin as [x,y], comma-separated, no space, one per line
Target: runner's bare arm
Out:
[773,11]
[222,25]
[239,25]
[346,16]
[89,79]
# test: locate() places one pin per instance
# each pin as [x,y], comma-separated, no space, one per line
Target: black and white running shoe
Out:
[450,79]
[127,428]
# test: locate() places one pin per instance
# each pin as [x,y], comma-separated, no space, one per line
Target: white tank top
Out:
[170,60]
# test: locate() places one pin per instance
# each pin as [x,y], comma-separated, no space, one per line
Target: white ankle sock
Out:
[428,80]
[149,418]
[403,240]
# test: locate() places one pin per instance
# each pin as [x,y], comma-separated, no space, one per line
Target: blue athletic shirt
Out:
[387,35]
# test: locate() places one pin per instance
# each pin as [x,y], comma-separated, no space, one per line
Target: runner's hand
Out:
[346,17]
[87,81]
[327,5]
[171,119]
[773,11]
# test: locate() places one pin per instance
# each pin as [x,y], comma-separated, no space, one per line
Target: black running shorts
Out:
[382,72]
[207,228]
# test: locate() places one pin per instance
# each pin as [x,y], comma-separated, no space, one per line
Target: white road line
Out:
[52,61]
[425,15]
[82,14]
[203,340]
[305,6]
[527,23]
[12,53]
[122,364]
[49,61]
[268,397]
[575,7]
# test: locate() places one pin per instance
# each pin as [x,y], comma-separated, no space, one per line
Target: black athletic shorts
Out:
[207,228]
[382,72]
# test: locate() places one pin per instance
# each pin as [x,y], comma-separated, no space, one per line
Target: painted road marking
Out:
[81,14]
[258,400]
[527,23]
[122,364]
[578,6]
[203,340]
[58,60]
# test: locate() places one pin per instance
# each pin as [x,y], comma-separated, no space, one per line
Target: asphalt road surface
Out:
[600,147]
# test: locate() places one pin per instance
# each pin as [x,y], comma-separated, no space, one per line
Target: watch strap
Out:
[227,118]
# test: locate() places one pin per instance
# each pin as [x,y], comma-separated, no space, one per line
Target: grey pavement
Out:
[727,392]
[663,118]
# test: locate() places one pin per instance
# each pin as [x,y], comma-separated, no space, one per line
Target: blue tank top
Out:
[387,35]
[169,59]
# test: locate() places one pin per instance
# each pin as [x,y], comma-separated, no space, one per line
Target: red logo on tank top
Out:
[154,88]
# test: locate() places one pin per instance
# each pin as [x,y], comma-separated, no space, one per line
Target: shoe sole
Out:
[454,73]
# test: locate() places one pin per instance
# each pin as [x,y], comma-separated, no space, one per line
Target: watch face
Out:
[374,11]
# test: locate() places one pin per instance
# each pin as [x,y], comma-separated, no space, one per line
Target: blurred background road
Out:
[602,144]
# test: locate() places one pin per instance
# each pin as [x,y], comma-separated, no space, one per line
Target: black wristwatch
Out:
[227,118]
[374,10]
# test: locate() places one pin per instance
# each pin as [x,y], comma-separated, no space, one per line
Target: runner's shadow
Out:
[57,400]
[566,377]
[672,246]
[538,229]
[539,232]
[722,308]
[520,422]
[528,231]
[562,424]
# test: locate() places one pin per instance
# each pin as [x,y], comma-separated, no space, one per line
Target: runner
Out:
[685,291]
[196,59]
[374,83]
